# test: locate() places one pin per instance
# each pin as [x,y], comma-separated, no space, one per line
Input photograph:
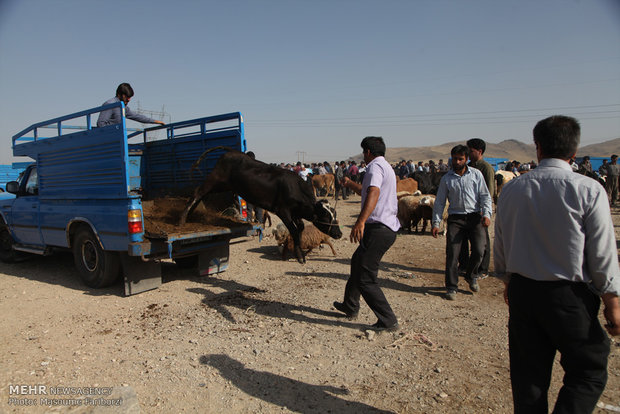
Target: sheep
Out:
[429,200]
[402,194]
[311,237]
[422,212]
[412,209]
[280,233]
[406,210]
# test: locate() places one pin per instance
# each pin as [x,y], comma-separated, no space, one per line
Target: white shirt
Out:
[379,173]
[553,224]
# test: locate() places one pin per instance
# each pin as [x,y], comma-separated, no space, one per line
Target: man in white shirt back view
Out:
[555,246]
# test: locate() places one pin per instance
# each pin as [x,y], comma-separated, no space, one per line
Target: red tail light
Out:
[244,208]
[134,221]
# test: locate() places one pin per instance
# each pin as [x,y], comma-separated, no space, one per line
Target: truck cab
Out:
[20,215]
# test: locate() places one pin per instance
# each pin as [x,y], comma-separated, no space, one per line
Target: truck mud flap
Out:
[213,260]
[138,275]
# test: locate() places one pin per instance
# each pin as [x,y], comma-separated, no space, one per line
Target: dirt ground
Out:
[263,336]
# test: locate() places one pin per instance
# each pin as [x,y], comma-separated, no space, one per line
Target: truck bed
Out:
[161,216]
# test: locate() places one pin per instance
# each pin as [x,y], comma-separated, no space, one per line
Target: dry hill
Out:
[603,149]
[511,149]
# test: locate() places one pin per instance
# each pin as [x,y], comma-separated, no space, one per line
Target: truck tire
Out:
[97,267]
[7,253]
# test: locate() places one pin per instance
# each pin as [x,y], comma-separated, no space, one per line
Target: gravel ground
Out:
[264,337]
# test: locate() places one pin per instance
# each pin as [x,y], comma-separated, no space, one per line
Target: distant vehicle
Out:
[10,173]
[95,193]
[497,163]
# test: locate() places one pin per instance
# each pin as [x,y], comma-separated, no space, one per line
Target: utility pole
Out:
[303,156]
[160,115]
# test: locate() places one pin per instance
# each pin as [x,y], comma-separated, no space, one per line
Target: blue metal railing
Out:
[172,130]
[59,122]
[179,129]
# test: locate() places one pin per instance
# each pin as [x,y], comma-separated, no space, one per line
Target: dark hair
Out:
[251,155]
[375,145]
[557,136]
[460,150]
[124,89]
[478,144]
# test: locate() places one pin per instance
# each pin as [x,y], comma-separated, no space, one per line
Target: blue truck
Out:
[113,197]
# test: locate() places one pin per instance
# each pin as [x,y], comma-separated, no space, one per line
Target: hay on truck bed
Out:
[161,218]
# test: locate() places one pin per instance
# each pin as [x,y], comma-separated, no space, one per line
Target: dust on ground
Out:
[263,336]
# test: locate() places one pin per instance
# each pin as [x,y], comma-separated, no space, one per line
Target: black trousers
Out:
[486,256]
[546,317]
[463,227]
[364,269]
[612,188]
[340,189]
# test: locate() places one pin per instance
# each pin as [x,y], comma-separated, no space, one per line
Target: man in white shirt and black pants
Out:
[555,246]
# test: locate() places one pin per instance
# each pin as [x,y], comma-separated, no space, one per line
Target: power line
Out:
[537,111]
[511,119]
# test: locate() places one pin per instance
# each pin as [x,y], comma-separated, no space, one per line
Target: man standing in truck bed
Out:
[124,93]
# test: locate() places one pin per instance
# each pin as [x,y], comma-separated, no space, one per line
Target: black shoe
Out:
[473,284]
[379,327]
[348,313]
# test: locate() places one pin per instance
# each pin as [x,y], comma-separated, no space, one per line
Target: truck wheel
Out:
[97,267]
[7,253]
[186,262]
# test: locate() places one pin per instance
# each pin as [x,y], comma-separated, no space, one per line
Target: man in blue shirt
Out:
[124,93]
[468,214]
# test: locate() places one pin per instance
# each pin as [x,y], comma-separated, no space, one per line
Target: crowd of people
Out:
[555,249]
[608,173]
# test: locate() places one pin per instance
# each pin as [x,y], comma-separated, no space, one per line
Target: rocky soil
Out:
[263,336]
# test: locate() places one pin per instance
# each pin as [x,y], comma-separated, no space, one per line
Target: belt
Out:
[462,216]
[376,224]
[542,282]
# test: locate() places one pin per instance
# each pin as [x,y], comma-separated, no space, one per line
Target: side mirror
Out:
[12,187]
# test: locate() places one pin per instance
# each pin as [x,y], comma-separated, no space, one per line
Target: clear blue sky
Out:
[317,76]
